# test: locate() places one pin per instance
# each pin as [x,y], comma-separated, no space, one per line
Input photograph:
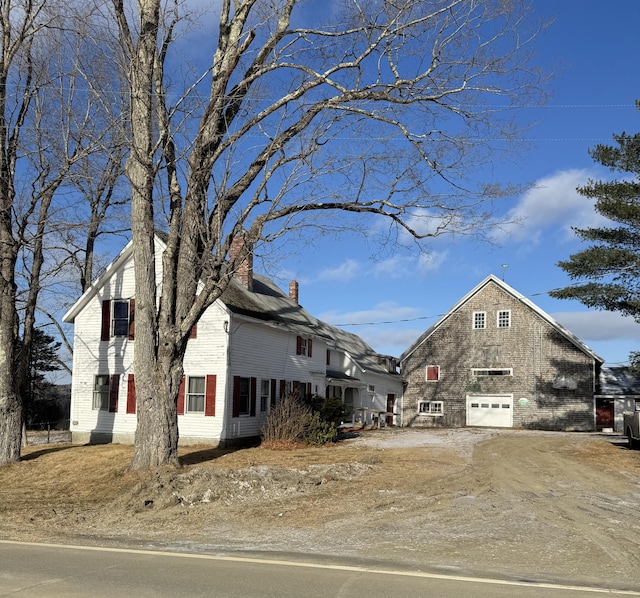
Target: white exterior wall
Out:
[91,357]
[206,354]
[259,350]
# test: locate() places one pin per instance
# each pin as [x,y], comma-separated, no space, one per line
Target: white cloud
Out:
[348,270]
[599,325]
[401,266]
[552,202]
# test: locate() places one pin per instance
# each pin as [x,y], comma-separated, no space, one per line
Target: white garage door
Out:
[494,411]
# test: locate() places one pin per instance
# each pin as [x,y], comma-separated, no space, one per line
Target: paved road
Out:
[52,571]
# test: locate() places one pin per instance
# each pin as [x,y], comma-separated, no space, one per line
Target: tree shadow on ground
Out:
[209,454]
[46,451]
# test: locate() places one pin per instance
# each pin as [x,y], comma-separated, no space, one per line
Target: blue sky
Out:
[389,301]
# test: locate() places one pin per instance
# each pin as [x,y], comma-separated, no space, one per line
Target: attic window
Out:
[479,320]
[504,318]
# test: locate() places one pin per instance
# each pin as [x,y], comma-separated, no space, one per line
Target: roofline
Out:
[511,291]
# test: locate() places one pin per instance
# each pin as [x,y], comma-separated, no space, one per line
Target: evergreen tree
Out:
[608,271]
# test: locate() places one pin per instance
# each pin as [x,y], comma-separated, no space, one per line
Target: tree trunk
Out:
[11,412]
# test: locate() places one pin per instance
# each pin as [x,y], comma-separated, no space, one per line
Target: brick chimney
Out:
[244,269]
[293,291]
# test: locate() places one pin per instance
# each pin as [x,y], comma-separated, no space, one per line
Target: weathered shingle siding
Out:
[533,348]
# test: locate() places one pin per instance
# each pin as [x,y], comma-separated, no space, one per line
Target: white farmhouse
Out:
[249,348]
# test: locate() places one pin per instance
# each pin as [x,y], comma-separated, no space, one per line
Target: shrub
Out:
[287,422]
[312,420]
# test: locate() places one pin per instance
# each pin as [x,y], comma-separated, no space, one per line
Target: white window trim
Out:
[188,394]
[484,321]
[503,311]
[485,372]
[104,405]
[113,318]
[426,370]
[431,412]
[265,383]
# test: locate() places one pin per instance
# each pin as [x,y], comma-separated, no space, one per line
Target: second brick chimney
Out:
[293,291]
[244,269]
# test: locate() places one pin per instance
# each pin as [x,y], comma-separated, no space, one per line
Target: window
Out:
[371,388]
[433,373]
[105,392]
[303,346]
[479,320]
[430,407]
[245,396]
[504,318]
[492,371]
[118,319]
[101,392]
[195,394]
[265,394]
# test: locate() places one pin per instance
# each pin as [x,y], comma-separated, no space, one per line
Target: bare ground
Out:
[539,505]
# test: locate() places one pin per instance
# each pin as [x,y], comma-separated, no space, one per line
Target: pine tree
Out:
[608,271]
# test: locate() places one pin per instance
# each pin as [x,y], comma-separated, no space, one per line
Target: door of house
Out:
[391,401]
[604,413]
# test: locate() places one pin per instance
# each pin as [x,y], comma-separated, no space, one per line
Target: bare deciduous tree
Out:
[50,130]
[380,109]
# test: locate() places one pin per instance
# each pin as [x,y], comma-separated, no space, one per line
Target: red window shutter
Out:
[132,319]
[433,373]
[252,408]
[210,396]
[181,397]
[236,397]
[114,383]
[283,387]
[298,345]
[309,345]
[131,394]
[309,389]
[106,320]
[273,392]
[194,331]
[328,357]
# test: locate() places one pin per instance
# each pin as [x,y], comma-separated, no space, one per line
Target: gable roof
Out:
[265,302]
[492,279]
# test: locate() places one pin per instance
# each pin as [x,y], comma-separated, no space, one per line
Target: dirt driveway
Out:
[536,505]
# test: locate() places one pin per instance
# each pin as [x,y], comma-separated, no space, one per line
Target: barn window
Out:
[492,371]
[430,407]
[504,318]
[433,373]
[479,320]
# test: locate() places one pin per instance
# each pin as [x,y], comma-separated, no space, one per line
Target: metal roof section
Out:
[618,382]
[516,295]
